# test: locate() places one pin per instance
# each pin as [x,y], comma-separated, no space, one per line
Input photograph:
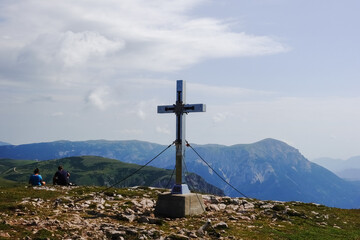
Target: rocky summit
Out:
[55,212]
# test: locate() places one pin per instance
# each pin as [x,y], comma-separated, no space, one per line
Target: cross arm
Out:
[194,108]
[166,109]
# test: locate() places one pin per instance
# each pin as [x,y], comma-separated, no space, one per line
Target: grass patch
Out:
[43,234]
[4,226]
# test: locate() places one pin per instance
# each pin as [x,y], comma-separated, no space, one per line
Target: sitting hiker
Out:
[36,179]
[61,177]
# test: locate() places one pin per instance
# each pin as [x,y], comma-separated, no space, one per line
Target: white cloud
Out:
[99,98]
[48,40]
[57,114]
[141,114]
[218,93]
[163,129]
[132,131]
[220,117]
[141,109]
[78,48]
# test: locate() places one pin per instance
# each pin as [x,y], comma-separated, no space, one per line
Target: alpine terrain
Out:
[268,169]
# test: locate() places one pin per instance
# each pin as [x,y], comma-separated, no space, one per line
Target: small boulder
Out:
[221,225]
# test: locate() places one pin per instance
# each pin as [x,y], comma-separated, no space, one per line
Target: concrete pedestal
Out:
[179,205]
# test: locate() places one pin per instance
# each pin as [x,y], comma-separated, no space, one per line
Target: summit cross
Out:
[180,108]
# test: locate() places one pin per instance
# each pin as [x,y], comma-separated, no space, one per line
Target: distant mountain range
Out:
[4,143]
[268,169]
[347,169]
[99,171]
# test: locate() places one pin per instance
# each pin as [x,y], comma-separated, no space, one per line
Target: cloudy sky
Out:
[81,70]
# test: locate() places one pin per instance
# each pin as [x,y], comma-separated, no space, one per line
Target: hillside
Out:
[98,171]
[128,213]
[268,169]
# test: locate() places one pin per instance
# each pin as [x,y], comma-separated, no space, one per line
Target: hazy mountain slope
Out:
[332,164]
[4,143]
[90,170]
[347,169]
[350,174]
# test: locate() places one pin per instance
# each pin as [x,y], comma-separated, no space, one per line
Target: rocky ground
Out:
[84,213]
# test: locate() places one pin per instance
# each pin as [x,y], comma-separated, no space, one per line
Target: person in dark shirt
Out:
[61,177]
[36,179]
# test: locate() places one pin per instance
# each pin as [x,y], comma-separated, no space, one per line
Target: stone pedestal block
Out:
[179,205]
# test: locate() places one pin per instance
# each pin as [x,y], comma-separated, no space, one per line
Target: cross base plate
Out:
[180,189]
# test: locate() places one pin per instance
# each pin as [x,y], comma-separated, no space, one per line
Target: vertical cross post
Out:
[180,136]
[180,109]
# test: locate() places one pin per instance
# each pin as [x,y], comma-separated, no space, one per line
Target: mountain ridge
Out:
[268,169]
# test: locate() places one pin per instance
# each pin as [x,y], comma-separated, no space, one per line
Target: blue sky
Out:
[80,70]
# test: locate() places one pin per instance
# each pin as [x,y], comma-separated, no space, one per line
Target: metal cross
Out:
[179,108]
